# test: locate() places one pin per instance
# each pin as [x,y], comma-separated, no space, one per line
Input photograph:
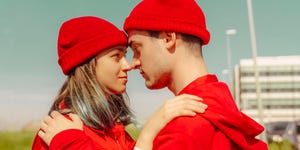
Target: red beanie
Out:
[84,37]
[182,16]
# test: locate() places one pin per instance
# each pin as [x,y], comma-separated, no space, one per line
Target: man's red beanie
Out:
[84,37]
[182,16]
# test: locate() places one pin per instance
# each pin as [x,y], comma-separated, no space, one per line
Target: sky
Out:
[30,76]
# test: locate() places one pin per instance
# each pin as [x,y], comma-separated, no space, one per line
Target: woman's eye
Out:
[118,56]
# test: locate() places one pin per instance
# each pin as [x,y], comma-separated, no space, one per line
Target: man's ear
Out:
[170,39]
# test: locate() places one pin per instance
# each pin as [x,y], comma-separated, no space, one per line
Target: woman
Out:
[91,52]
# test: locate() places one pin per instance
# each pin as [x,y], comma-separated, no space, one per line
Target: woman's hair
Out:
[85,96]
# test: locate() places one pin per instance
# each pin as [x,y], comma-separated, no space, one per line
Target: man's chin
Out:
[153,86]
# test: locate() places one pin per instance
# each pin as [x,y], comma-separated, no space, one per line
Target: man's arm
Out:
[189,133]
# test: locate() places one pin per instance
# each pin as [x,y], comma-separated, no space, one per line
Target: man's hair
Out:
[84,95]
[190,40]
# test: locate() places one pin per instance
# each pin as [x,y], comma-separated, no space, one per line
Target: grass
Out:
[284,145]
[16,140]
[22,140]
[133,131]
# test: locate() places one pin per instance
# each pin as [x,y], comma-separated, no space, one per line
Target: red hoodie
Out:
[221,127]
[88,139]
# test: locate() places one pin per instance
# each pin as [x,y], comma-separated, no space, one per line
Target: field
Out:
[16,140]
[22,140]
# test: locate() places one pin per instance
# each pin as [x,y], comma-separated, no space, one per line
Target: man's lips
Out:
[143,74]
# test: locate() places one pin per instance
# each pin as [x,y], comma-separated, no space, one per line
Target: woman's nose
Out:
[125,65]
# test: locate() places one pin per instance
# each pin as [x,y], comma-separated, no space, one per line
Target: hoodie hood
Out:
[223,113]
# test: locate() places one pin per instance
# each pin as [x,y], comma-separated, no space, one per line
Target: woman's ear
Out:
[170,39]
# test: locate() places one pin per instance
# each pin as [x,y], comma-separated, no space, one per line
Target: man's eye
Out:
[137,49]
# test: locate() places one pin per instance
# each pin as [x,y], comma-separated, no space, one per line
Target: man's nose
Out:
[136,63]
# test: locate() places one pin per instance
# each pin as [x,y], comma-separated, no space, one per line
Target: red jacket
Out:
[90,139]
[221,127]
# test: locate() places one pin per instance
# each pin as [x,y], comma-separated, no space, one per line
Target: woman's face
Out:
[112,68]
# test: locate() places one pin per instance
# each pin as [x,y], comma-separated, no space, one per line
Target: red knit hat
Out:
[182,16]
[84,37]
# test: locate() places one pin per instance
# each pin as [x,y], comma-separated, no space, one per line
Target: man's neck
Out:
[186,72]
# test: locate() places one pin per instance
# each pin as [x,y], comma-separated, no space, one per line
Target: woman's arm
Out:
[183,105]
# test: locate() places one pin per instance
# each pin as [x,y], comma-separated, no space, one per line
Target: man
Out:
[97,69]
[166,37]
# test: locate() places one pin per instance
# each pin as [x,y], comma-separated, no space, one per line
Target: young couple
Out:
[90,111]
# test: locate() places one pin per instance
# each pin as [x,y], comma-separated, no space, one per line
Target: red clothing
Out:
[88,139]
[221,127]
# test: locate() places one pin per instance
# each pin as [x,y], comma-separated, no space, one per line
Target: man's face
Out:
[150,57]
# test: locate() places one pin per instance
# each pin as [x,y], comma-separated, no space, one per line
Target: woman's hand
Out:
[182,105]
[56,123]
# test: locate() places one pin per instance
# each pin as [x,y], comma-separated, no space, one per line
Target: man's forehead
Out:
[134,36]
[130,37]
[137,33]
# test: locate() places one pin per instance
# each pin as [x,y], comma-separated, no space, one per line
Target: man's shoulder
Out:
[189,125]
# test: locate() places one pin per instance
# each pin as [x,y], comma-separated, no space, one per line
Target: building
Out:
[279,82]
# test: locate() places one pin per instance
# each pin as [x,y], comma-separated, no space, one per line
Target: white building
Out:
[279,80]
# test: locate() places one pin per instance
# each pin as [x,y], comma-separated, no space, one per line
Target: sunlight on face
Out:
[112,68]
[149,57]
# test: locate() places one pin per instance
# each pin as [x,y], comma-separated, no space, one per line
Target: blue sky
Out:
[30,75]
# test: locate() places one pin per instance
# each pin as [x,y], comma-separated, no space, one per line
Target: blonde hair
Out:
[85,96]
